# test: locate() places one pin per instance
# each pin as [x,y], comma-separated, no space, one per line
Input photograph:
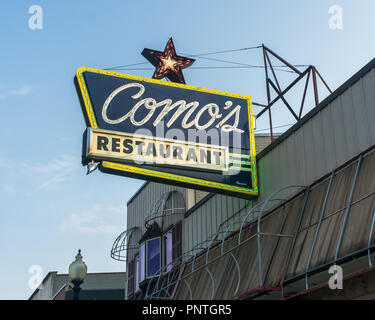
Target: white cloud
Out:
[64,163]
[50,175]
[52,183]
[7,188]
[98,219]
[21,91]
[53,173]
[6,162]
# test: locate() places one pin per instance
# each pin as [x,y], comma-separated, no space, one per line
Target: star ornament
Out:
[167,63]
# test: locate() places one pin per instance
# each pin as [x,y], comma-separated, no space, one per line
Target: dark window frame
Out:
[160,257]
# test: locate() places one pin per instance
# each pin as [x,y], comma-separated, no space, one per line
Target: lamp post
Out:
[77,272]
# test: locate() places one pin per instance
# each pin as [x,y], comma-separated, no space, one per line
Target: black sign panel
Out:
[168,132]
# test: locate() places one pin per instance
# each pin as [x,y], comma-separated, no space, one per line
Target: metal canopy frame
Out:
[254,218]
[159,208]
[226,232]
[122,244]
[346,209]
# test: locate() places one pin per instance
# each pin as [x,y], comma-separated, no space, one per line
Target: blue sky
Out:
[49,207]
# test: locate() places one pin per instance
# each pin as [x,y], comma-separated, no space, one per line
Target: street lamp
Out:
[77,272]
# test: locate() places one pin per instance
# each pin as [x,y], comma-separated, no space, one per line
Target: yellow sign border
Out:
[164,175]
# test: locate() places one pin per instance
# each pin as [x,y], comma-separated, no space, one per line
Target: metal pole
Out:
[294,239]
[304,95]
[76,288]
[297,230]
[282,60]
[347,209]
[268,92]
[273,72]
[321,78]
[283,99]
[316,94]
[284,92]
[369,240]
[258,234]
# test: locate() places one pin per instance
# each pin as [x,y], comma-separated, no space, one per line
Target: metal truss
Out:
[273,84]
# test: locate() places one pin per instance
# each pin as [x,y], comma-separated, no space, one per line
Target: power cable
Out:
[226,51]
[286,125]
[125,66]
[244,65]
[202,54]
[207,67]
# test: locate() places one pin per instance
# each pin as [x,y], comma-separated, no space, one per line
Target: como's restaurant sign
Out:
[168,132]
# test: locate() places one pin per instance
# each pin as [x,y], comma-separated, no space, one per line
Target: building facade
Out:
[96,286]
[314,212]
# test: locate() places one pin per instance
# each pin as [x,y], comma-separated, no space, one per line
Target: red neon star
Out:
[168,63]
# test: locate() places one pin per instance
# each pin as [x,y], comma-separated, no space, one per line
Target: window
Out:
[137,270]
[155,251]
[142,261]
[168,251]
[153,257]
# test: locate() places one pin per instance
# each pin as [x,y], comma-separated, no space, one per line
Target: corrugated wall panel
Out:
[272,180]
[195,235]
[212,218]
[308,145]
[284,167]
[299,155]
[369,92]
[350,136]
[276,166]
[319,138]
[236,205]
[329,140]
[290,147]
[229,202]
[208,224]
[340,110]
[223,208]
[360,115]
[191,233]
[202,229]
[318,148]
[215,211]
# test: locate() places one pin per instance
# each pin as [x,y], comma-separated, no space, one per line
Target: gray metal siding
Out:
[369,92]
